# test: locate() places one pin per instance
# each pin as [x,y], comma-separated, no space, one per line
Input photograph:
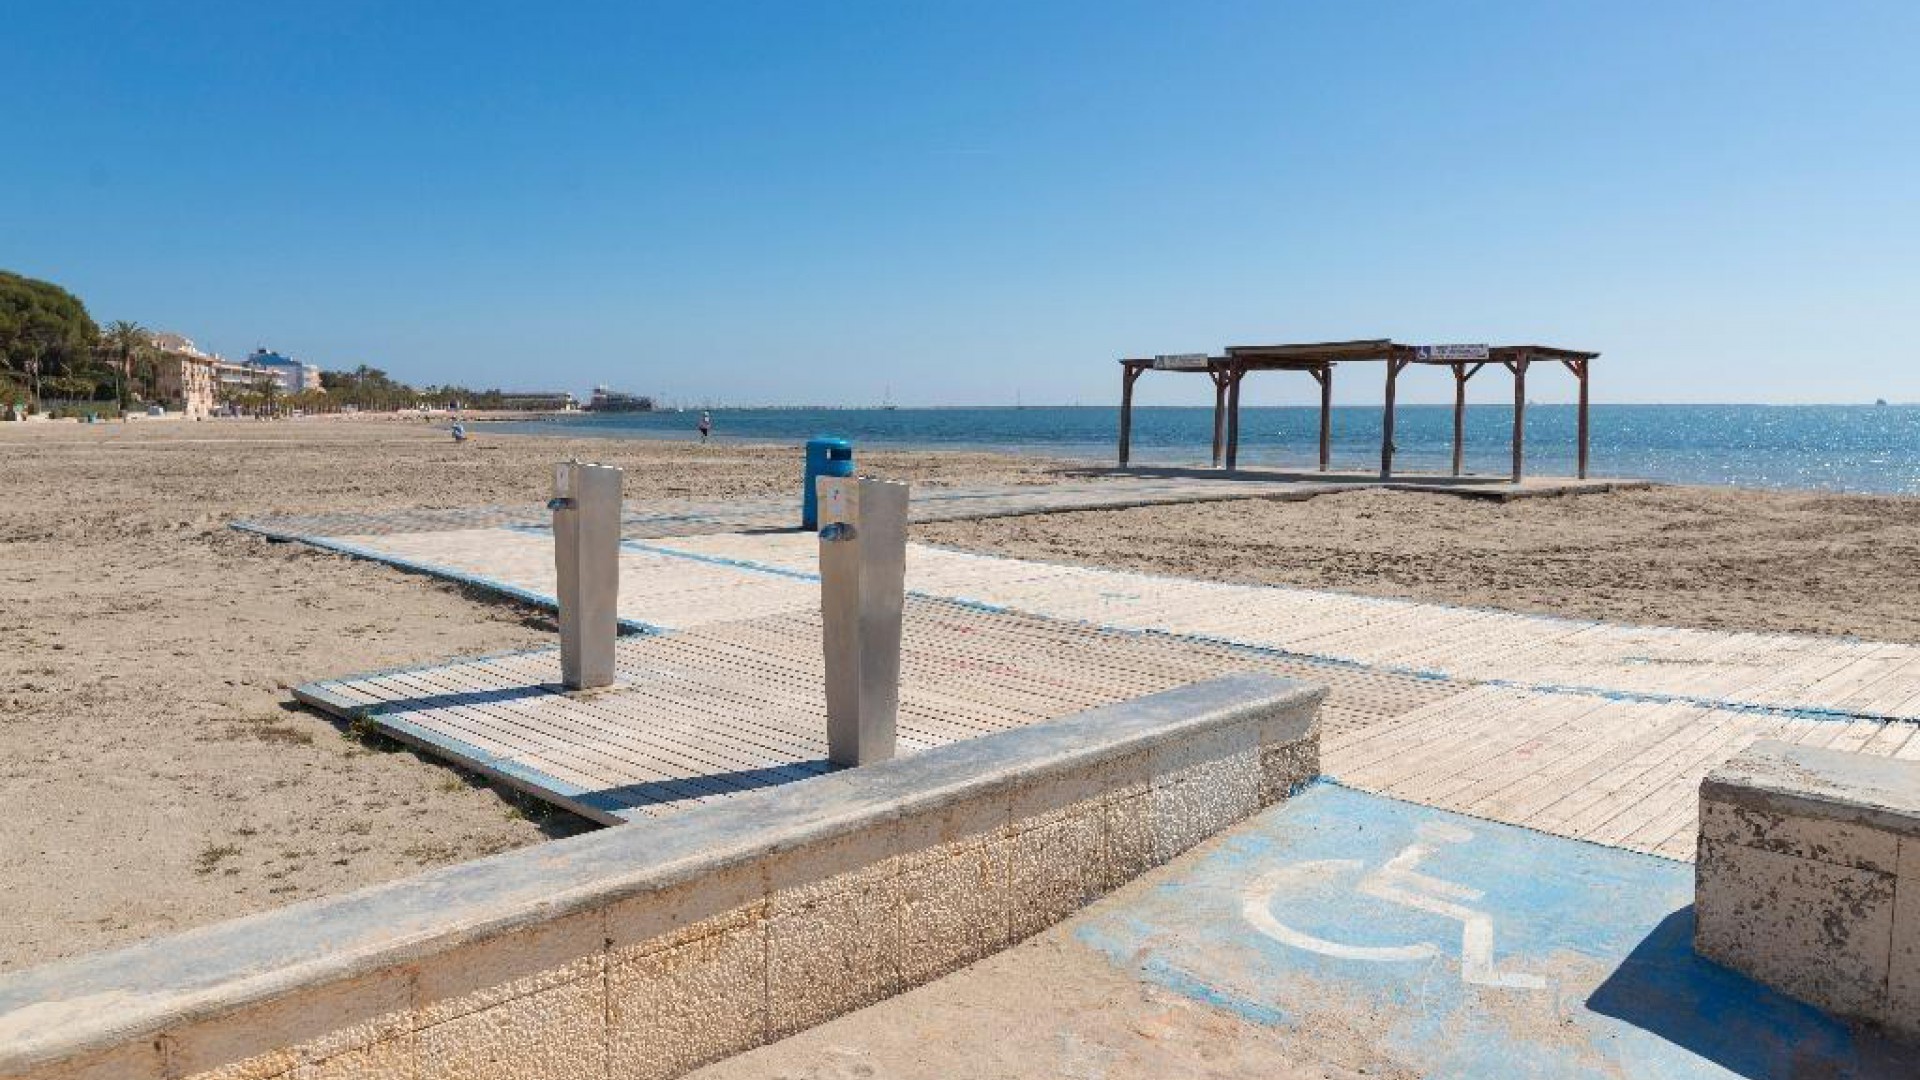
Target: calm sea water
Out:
[1834,448]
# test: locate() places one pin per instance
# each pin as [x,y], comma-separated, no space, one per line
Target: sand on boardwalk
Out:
[158,777]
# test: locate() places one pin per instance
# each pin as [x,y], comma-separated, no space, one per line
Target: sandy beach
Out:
[161,778]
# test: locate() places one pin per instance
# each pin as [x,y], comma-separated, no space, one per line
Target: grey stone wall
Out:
[650,949]
[1808,878]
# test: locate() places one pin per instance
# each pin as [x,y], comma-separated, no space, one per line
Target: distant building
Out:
[292,375]
[185,377]
[538,400]
[605,400]
[196,382]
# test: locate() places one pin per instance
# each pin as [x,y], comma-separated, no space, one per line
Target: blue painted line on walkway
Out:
[1297,920]
[1792,712]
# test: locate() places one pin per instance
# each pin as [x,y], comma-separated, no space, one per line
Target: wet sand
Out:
[159,776]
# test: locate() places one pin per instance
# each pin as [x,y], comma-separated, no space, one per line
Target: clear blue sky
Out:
[809,202]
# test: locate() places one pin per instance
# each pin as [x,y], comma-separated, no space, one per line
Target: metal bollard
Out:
[863,580]
[586,555]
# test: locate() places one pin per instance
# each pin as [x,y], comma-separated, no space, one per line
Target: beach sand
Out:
[1718,558]
[158,776]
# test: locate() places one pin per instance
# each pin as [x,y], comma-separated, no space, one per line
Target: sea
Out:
[1842,448]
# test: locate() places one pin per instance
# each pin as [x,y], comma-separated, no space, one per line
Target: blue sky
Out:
[790,202]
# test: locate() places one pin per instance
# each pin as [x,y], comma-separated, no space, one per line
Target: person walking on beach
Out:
[706,425]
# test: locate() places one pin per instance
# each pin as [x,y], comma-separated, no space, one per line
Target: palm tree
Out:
[127,340]
[268,387]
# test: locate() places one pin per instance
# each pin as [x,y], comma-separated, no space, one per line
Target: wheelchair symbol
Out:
[1398,882]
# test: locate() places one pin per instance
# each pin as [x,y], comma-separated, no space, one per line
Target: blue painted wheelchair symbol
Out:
[1398,882]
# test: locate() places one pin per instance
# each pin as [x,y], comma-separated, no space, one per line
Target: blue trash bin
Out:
[826,456]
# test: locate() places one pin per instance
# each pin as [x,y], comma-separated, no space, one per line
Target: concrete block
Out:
[1286,767]
[1903,971]
[1814,930]
[832,947]
[1133,845]
[709,903]
[809,871]
[1052,798]
[1203,799]
[134,1061]
[1056,868]
[1125,776]
[559,1033]
[389,1059]
[932,835]
[1813,782]
[313,1025]
[1180,758]
[1837,842]
[487,973]
[671,1011]
[954,905]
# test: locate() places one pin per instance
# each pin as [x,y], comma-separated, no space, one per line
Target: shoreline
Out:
[1078,454]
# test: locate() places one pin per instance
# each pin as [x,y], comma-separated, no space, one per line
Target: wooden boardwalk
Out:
[708,713]
[728,707]
[1840,677]
[1592,767]
[1584,729]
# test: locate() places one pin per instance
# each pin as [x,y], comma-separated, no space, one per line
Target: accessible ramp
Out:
[1461,948]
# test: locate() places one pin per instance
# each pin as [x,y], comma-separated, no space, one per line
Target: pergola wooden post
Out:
[1461,373]
[1579,369]
[1129,374]
[1235,373]
[1518,365]
[1394,366]
[1324,376]
[1219,377]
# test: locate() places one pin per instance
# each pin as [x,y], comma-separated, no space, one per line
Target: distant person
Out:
[459,431]
[706,425]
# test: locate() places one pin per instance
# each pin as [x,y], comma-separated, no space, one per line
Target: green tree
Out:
[268,387]
[125,341]
[44,330]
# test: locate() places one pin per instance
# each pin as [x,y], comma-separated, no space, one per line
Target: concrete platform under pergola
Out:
[1318,359]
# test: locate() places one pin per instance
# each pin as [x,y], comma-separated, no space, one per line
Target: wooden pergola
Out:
[1318,359]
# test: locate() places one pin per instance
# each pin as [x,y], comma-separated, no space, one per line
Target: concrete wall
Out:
[1808,878]
[649,949]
